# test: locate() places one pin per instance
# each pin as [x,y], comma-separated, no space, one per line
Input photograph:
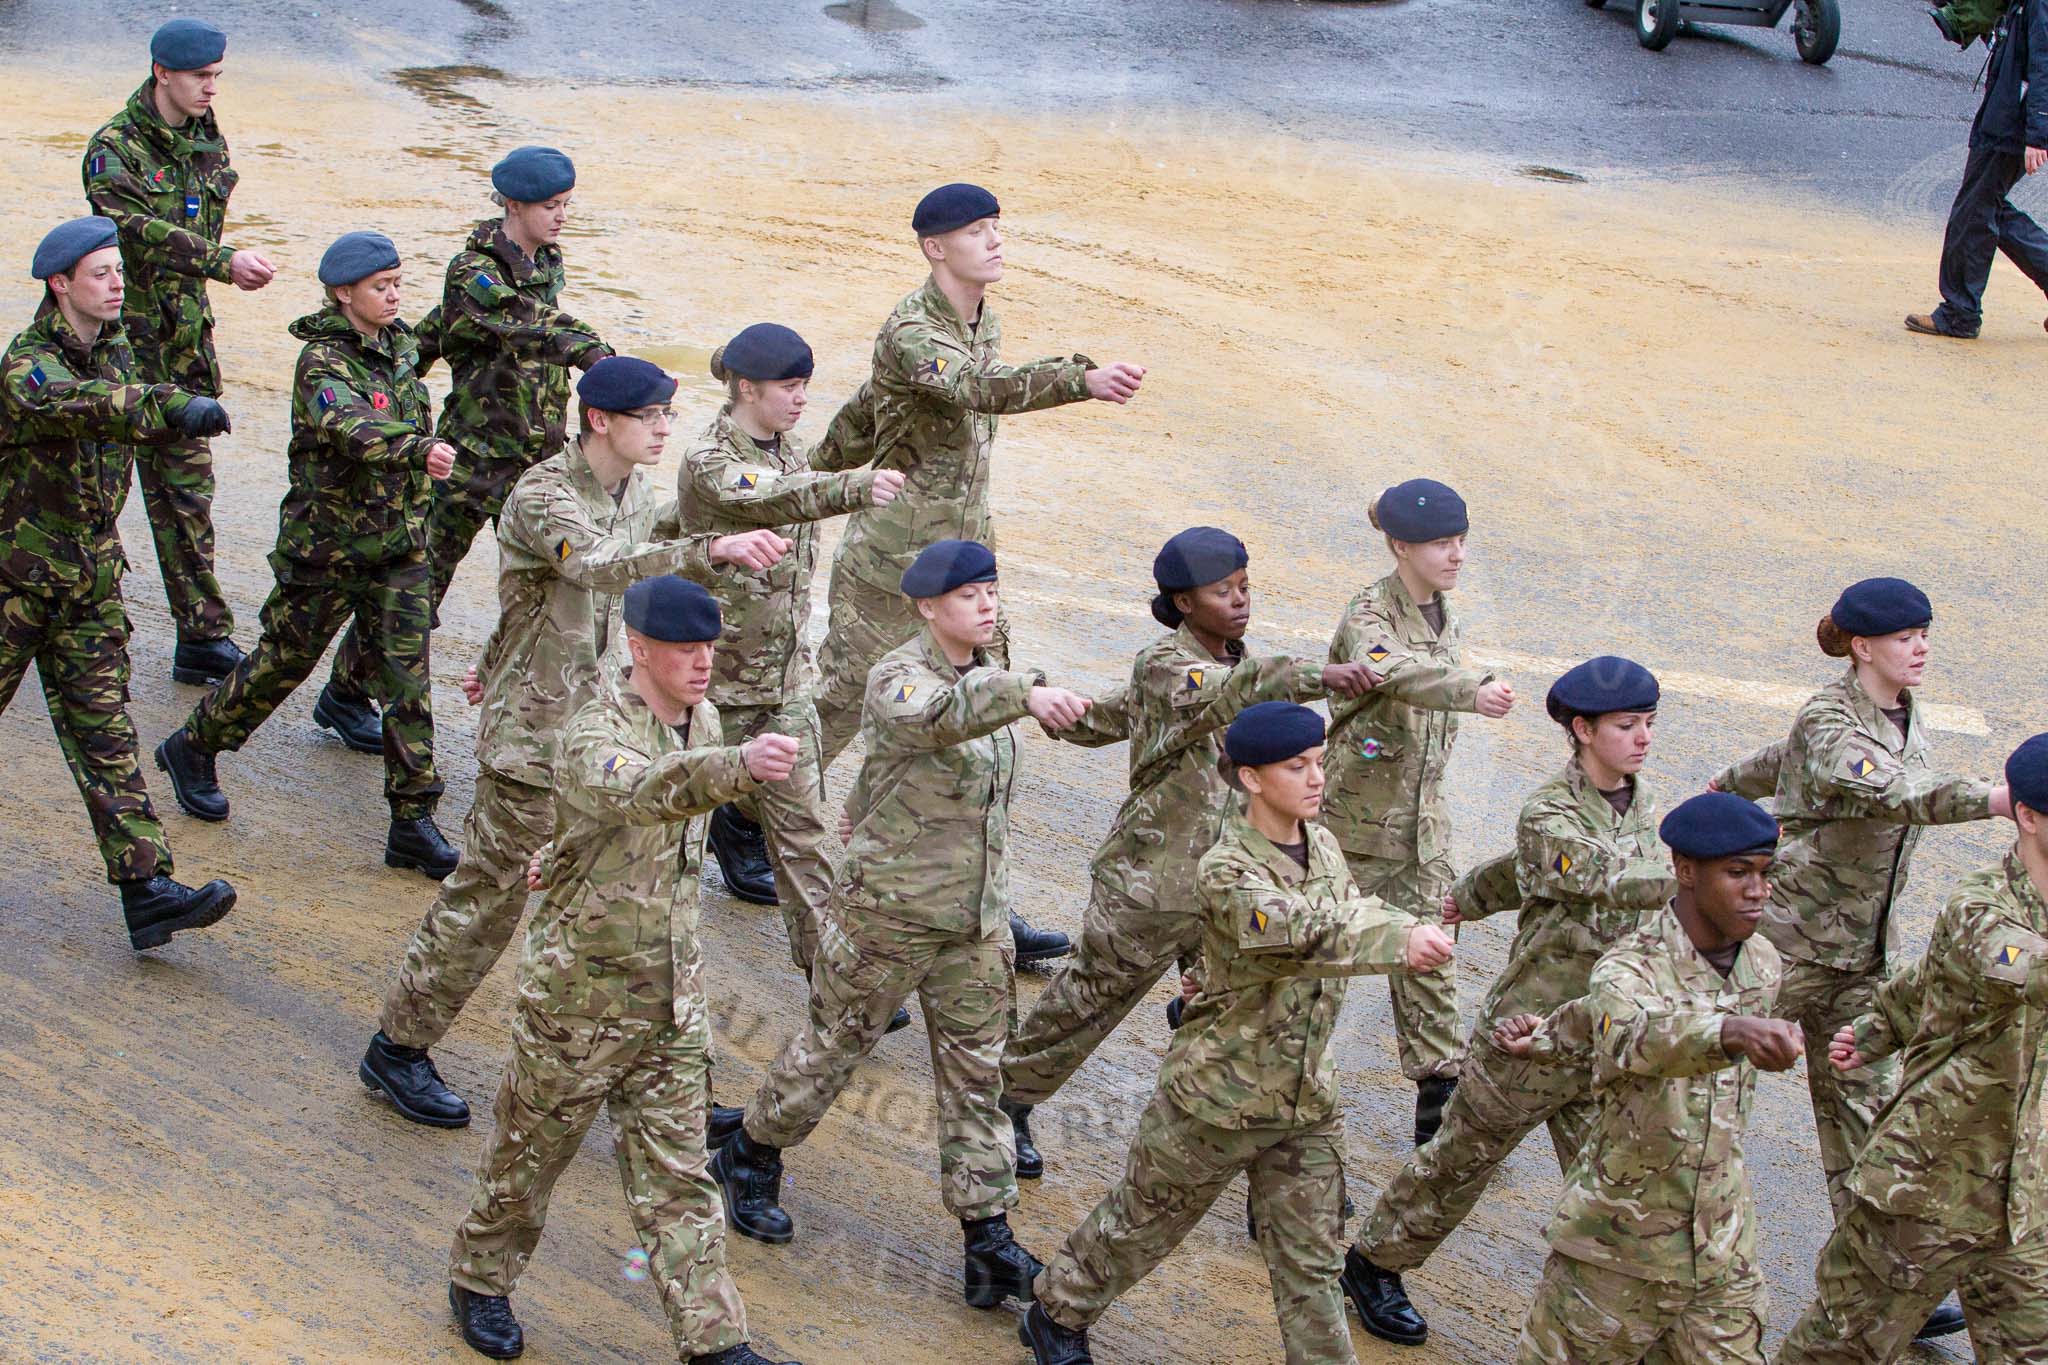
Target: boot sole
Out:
[981,1292]
[178,792]
[1025,959]
[406,1111]
[750,897]
[192,677]
[406,863]
[325,721]
[157,935]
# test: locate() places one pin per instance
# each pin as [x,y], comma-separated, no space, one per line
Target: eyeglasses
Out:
[651,414]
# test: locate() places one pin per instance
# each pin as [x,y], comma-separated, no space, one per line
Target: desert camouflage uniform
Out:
[1248,1085]
[1951,1188]
[1142,913]
[567,549]
[1653,1245]
[922,903]
[1386,759]
[935,396]
[612,1012]
[1851,793]
[167,190]
[1583,878]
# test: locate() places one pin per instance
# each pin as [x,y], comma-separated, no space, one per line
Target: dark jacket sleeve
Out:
[2034,105]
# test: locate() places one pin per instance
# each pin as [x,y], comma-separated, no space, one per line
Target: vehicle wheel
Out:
[1816,28]
[1656,23]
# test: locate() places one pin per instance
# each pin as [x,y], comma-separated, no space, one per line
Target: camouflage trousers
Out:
[867,965]
[1425,1003]
[653,1076]
[1499,1101]
[1590,1315]
[79,647]
[1177,1168]
[1879,1277]
[475,914]
[1820,1000]
[792,818]
[177,495]
[1124,949]
[388,605]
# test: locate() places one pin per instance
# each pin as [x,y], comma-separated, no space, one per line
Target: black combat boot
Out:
[742,1354]
[1946,1321]
[204,662]
[1381,1302]
[725,1122]
[1037,945]
[158,907]
[417,846]
[899,1020]
[1030,1165]
[742,851]
[1432,1093]
[354,722]
[749,1175]
[997,1268]
[408,1079]
[193,780]
[1176,1008]
[487,1323]
[1050,1343]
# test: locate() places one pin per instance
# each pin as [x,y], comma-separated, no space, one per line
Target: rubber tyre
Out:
[1656,23]
[1817,44]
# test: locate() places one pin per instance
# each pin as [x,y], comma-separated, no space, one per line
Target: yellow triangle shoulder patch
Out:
[747,481]
[2009,956]
[904,693]
[1195,677]
[562,550]
[1258,920]
[1561,864]
[1379,652]
[1861,767]
[614,763]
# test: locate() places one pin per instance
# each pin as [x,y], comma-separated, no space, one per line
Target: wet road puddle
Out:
[1555,175]
[876,16]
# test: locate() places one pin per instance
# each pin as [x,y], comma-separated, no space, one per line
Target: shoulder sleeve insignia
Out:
[325,399]
[934,367]
[1606,1022]
[484,279]
[1561,864]
[1861,766]
[191,206]
[1195,678]
[1369,749]
[614,763]
[98,164]
[1258,920]
[904,693]
[2008,956]
[562,550]
[36,378]
[1379,652]
[747,481]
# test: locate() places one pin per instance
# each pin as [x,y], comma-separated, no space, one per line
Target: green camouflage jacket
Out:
[729,484]
[508,348]
[1964,1143]
[616,936]
[1278,944]
[1851,795]
[70,414]
[358,490]
[1388,749]
[167,191]
[1660,1191]
[567,550]
[931,805]
[850,437]
[937,391]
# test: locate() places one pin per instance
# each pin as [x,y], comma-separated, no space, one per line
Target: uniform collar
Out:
[1186,641]
[728,433]
[936,660]
[490,238]
[585,481]
[941,307]
[201,134]
[1267,852]
[1694,971]
[56,328]
[1876,724]
[642,715]
[1590,797]
[2024,894]
[1408,610]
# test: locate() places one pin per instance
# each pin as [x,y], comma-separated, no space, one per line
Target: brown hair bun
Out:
[718,370]
[1372,511]
[1834,641]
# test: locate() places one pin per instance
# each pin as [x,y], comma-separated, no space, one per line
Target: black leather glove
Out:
[203,417]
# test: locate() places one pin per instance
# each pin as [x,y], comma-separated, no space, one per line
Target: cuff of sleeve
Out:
[1308,680]
[217,264]
[1077,381]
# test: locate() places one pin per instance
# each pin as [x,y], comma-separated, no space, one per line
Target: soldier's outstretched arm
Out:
[760,495]
[115,191]
[338,407]
[548,521]
[1842,760]
[1299,936]
[1368,637]
[487,311]
[1557,860]
[931,361]
[605,773]
[1488,889]
[1201,704]
[850,438]
[1636,1031]
[427,334]
[1106,722]
[1754,777]
[140,414]
[915,712]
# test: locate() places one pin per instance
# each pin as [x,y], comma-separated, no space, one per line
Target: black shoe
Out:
[1432,1093]
[1050,1343]
[487,1323]
[749,1175]
[742,851]
[742,1354]
[159,907]
[1947,1320]
[193,780]
[899,1020]
[408,1079]
[1381,1302]
[997,1268]
[204,662]
[1175,1008]
[417,846]
[356,724]
[1037,945]
[1948,31]
[725,1122]
[1030,1165]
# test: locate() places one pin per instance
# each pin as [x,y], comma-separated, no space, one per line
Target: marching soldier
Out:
[576,531]
[1249,1084]
[612,1009]
[1950,1189]
[72,410]
[1586,867]
[159,171]
[1656,1233]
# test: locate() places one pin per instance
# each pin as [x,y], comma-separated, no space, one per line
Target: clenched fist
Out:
[1056,708]
[750,549]
[770,758]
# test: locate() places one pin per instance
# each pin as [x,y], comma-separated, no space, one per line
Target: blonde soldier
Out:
[1853,784]
[612,1009]
[1389,749]
[747,471]
[1249,1084]
[921,904]
[577,530]
[1653,1246]
[1586,866]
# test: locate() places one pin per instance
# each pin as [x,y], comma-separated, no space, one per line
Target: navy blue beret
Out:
[1880,606]
[952,206]
[673,610]
[1270,731]
[1718,825]
[621,383]
[947,565]
[355,256]
[766,352]
[1421,510]
[1198,555]
[69,243]
[1599,686]
[2026,772]
[533,174]
[187,45]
